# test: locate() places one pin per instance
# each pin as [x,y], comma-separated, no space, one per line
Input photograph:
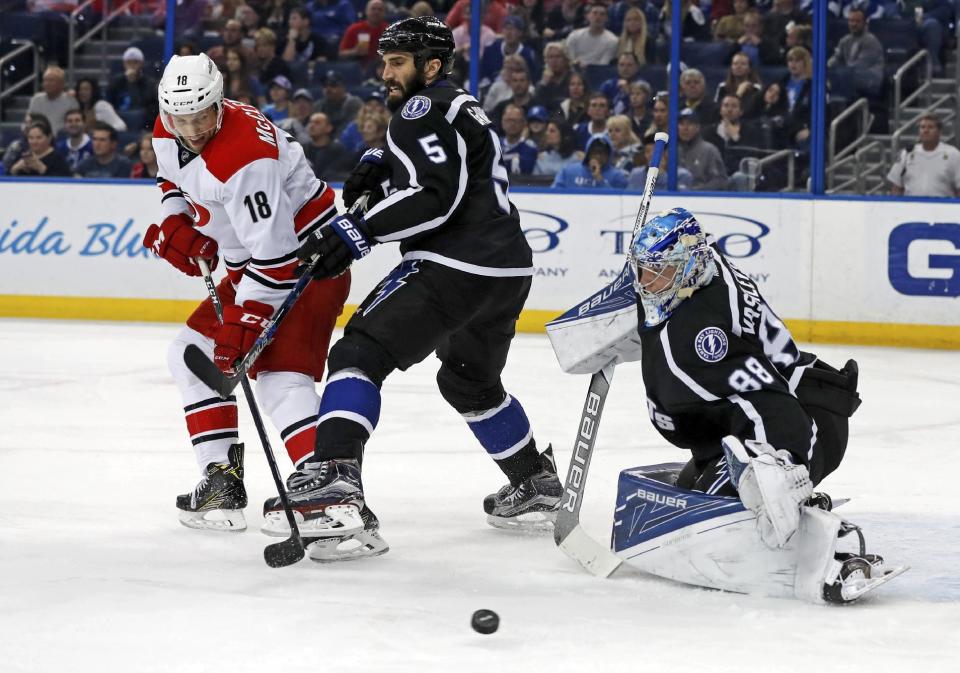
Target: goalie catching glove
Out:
[333,247]
[240,329]
[179,242]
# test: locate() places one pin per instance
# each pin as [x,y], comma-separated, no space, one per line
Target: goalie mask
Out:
[671,260]
[190,86]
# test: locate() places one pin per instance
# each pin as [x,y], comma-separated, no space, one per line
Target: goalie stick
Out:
[224,384]
[567,532]
[278,554]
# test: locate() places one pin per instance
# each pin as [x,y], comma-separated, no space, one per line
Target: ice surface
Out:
[96,574]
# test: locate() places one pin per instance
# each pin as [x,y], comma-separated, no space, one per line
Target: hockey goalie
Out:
[764,422]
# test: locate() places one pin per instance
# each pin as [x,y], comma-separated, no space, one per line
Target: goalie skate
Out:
[857,573]
[218,500]
[532,504]
[326,498]
[363,544]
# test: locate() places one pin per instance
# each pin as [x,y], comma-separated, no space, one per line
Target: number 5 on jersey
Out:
[433,149]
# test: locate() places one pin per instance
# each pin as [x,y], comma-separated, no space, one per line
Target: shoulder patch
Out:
[711,344]
[416,107]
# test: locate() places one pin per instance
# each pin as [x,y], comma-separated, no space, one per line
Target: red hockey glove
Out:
[178,242]
[241,327]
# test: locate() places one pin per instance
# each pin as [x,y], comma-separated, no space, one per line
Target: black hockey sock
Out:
[522,465]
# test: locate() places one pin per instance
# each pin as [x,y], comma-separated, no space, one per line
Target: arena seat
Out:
[351,72]
[598,74]
[135,118]
[706,54]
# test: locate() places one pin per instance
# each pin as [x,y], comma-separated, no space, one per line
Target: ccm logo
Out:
[253,319]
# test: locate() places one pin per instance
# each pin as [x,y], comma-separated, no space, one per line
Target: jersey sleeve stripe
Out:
[267,281]
[759,430]
[437,221]
[475,269]
[272,263]
[731,291]
[171,195]
[455,106]
[701,392]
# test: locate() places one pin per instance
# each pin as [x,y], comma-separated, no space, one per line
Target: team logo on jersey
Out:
[416,107]
[711,344]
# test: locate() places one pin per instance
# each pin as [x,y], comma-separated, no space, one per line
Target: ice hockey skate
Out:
[856,573]
[362,544]
[326,498]
[218,500]
[532,504]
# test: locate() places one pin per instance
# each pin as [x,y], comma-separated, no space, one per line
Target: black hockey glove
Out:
[334,246]
[367,176]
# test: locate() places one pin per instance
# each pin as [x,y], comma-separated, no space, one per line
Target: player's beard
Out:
[407,90]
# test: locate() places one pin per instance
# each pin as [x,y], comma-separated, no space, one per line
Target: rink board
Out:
[860,271]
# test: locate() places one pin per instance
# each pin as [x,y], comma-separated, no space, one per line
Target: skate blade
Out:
[334,521]
[529,522]
[857,588]
[364,544]
[227,520]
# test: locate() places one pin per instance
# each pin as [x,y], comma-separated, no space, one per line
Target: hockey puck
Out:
[485,621]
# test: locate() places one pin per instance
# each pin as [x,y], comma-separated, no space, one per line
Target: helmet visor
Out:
[193,126]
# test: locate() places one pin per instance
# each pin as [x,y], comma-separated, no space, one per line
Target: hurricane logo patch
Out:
[416,107]
[711,344]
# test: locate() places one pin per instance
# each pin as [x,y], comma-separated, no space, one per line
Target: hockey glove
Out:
[241,327]
[179,242]
[334,246]
[367,176]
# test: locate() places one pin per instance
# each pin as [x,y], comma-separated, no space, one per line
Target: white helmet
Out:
[189,84]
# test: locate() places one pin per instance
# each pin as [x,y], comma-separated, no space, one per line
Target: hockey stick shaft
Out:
[224,384]
[291,550]
[568,533]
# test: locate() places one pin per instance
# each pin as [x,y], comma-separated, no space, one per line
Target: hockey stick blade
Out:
[201,366]
[285,553]
[567,531]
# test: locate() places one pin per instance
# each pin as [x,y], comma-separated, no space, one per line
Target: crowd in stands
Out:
[576,88]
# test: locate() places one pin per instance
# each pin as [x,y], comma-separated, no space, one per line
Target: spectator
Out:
[146,167]
[796,90]
[186,48]
[593,45]
[598,111]
[774,30]
[563,19]
[362,38]
[574,107]
[660,116]
[339,106]
[301,107]
[493,56]
[500,90]
[773,118]
[493,16]
[331,18]
[21,146]
[302,44]
[42,159]
[752,37]
[134,90]
[617,89]
[522,96]
[730,26]
[693,89]
[232,36]
[461,38]
[519,154]
[733,136]
[633,39]
[76,145]
[105,162]
[330,159]
[935,19]
[532,13]
[249,21]
[350,136]
[862,52]
[693,24]
[556,75]
[931,168]
[799,35]
[424,8]
[188,19]
[743,82]
[275,13]
[626,144]
[638,176]
[94,108]
[557,149]
[639,112]
[279,92]
[596,169]
[537,118]
[269,63]
[221,11]
[53,102]
[374,133]
[702,159]
[237,79]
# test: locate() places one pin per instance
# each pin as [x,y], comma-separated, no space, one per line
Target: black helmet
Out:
[425,37]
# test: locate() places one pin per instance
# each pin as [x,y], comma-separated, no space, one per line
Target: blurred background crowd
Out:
[576,89]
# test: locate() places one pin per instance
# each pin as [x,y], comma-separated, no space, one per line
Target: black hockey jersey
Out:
[725,364]
[448,197]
